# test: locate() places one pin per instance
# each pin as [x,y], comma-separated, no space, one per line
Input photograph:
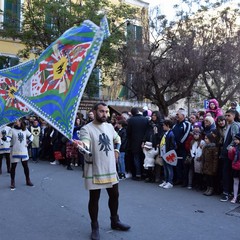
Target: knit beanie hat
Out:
[197,126]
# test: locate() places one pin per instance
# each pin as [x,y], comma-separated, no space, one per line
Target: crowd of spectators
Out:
[202,142]
[47,144]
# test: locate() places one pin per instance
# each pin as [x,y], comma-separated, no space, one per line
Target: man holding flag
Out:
[53,89]
[100,138]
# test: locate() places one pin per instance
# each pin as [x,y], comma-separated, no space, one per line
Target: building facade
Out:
[136,31]
[9,48]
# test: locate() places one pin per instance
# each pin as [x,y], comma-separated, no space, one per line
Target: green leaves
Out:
[43,21]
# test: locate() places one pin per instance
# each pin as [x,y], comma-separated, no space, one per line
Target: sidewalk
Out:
[56,209]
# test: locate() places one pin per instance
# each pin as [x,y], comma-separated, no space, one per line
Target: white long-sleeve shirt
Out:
[19,143]
[4,145]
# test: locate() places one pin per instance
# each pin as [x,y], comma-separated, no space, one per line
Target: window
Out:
[134,37]
[93,85]
[11,14]
[7,61]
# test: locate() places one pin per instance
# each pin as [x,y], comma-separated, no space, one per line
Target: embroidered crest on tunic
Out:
[104,143]
[20,137]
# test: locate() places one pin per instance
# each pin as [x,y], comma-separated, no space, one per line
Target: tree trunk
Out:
[163,109]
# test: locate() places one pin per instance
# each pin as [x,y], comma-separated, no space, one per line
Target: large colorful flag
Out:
[53,89]
[10,80]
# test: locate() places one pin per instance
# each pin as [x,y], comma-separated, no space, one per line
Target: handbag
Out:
[58,155]
[236,165]
[159,160]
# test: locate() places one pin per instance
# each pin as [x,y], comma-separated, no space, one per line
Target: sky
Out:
[163,3]
[167,6]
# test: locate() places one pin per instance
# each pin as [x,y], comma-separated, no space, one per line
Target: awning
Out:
[120,109]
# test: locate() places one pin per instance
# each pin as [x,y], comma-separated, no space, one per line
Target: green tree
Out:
[45,20]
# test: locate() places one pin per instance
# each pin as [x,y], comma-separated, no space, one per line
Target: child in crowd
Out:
[234,156]
[196,152]
[122,132]
[189,161]
[149,160]
[209,160]
[214,109]
[4,147]
[72,153]
[167,143]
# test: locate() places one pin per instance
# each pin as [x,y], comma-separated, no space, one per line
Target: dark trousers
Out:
[35,154]
[149,174]
[181,171]
[94,196]
[25,167]
[7,156]
[138,160]
[227,180]
[129,166]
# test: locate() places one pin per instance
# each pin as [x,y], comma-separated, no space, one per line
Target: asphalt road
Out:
[56,209]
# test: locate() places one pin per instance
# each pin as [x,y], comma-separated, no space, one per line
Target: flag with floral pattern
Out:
[54,87]
[10,81]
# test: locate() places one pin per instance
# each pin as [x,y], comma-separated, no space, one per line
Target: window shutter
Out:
[12,11]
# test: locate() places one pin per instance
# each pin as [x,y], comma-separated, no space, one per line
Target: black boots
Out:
[29,183]
[116,224]
[95,231]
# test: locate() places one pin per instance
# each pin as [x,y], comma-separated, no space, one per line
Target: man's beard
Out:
[101,119]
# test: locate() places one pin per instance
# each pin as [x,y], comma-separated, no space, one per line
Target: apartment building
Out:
[9,48]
